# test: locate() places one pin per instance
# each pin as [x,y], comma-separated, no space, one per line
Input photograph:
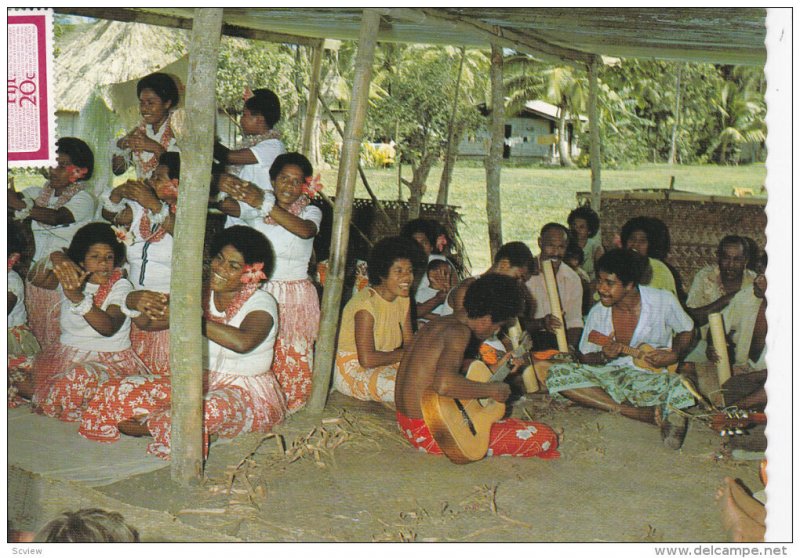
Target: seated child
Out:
[22,344]
[88,525]
[241,393]
[573,257]
[434,359]
[376,324]
[430,296]
[95,343]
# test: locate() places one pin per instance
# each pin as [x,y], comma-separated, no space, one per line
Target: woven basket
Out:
[696,223]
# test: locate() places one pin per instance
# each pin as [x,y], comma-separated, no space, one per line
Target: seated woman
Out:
[149,207]
[22,345]
[290,223]
[158,97]
[241,393]
[95,343]
[56,210]
[645,236]
[584,223]
[376,324]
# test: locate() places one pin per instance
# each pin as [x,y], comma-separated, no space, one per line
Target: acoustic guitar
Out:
[638,353]
[461,427]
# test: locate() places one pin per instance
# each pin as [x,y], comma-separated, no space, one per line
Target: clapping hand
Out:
[240,190]
[71,276]
[153,304]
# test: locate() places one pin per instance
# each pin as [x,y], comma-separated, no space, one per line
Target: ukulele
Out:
[638,353]
[461,427]
[731,421]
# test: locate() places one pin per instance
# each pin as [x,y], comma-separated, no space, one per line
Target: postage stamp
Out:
[31,107]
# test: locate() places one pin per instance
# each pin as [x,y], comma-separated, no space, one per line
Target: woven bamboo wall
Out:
[696,223]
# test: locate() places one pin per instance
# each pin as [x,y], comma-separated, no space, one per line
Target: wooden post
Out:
[594,133]
[186,340]
[313,93]
[340,233]
[493,161]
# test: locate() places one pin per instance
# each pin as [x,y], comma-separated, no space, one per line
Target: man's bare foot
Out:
[741,522]
[134,427]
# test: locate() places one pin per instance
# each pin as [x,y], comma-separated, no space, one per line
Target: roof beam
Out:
[493,34]
[138,16]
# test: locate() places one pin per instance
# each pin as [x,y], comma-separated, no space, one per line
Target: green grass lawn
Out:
[533,196]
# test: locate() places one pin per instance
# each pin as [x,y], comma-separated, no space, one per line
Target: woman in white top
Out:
[291,223]
[57,211]
[95,343]
[241,392]
[149,209]
[250,163]
[158,97]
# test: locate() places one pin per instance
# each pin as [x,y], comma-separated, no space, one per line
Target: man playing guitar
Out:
[632,315]
[434,359]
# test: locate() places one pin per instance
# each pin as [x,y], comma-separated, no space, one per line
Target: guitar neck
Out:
[631,351]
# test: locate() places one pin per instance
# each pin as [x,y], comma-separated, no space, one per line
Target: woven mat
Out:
[54,449]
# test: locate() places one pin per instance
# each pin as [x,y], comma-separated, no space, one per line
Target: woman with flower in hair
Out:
[158,96]
[241,392]
[95,343]
[290,222]
[56,210]
[250,163]
[148,208]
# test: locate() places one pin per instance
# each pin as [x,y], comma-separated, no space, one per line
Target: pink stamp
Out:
[31,108]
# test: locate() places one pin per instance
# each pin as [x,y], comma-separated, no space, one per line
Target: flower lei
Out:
[102,293]
[145,227]
[253,273]
[441,242]
[233,308]
[147,167]
[63,198]
[13,259]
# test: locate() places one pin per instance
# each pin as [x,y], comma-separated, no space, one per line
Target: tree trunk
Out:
[563,146]
[676,118]
[186,340]
[340,234]
[417,186]
[311,111]
[453,139]
[594,134]
[493,161]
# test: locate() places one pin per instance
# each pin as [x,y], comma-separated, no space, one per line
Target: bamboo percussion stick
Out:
[555,304]
[721,346]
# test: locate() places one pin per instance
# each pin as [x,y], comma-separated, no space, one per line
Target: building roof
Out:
[546,110]
[560,35]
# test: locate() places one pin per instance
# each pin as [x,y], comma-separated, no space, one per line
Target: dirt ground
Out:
[348,475]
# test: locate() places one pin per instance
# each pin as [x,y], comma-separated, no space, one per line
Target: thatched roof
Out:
[561,35]
[109,52]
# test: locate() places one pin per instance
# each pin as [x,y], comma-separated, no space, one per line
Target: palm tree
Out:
[741,111]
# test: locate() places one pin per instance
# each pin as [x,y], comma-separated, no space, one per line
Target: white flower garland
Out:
[22,214]
[84,306]
[161,216]
[267,205]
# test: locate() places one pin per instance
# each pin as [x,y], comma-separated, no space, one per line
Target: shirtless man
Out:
[631,314]
[434,359]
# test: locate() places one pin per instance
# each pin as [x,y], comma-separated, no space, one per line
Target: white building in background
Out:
[531,136]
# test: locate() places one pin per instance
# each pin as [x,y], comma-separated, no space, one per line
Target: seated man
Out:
[553,240]
[746,327]
[434,360]
[714,286]
[630,314]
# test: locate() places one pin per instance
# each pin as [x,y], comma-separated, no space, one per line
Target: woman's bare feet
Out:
[742,515]
[136,427]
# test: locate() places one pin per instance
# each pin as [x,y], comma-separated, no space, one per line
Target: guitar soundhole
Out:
[465,416]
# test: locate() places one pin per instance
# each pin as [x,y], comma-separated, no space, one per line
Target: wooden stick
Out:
[717,330]
[555,304]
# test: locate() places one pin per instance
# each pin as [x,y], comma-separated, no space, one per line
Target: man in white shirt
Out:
[553,240]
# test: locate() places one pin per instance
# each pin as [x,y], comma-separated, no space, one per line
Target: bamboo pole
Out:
[450,154]
[493,161]
[594,133]
[717,331]
[340,233]
[555,304]
[313,93]
[186,340]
